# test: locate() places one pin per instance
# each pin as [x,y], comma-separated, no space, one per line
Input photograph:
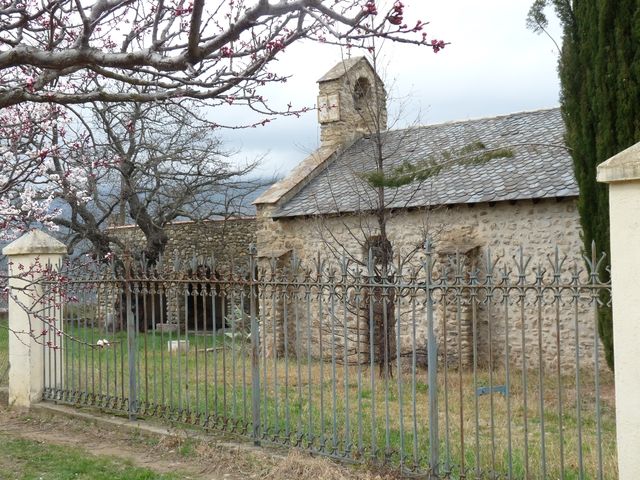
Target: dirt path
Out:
[160,454]
[190,455]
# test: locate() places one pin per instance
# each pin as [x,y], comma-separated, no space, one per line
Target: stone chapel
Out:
[495,185]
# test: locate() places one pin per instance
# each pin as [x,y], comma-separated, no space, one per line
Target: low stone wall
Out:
[226,240]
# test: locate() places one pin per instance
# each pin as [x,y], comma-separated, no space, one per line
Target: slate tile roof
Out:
[539,168]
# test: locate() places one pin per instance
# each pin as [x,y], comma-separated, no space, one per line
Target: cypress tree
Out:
[599,70]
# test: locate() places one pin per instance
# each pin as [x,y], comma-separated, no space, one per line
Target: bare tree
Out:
[150,163]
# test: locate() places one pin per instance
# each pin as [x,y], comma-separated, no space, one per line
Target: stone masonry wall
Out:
[538,227]
[225,240]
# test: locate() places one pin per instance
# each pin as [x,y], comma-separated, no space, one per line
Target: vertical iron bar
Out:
[359,360]
[56,342]
[596,353]
[46,341]
[525,388]
[386,363]
[276,419]
[432,359]
[243,306]
[371,291]
[489,286]
[459,290]
[186,407]
[136,316]
[81,347]
[540,294]
[321,353]
[145,329]
[234,381]
[156,294]
[45,337]
[123,318]
[399,371]
[298,357]
[414,400]
[334,395]
[214,349]
[94,322]
[507,368]
[557,300]
[215,341]
[99,315]
[445,340]
[345,365]
[223,312]
[163,322]
[285,321]
[175,295]
[67,348]
[474,323]
[199,309]
[107,358]
[131,353]
[576,316]
[83,308]
[234,352]
[265,332]
[255,350]
[384,286]
[309,362]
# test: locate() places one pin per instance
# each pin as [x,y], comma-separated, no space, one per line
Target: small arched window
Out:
[361,93]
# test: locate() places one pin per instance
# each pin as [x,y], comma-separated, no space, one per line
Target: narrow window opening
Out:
[361,93]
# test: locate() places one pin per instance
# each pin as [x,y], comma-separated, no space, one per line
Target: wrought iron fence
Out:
[454,366]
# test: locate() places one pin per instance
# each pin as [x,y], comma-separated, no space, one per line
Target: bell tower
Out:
[351,102]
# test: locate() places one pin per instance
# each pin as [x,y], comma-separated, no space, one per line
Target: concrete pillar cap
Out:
[35,242]
[625,166]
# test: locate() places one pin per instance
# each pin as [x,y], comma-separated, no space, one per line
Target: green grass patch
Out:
[28,459]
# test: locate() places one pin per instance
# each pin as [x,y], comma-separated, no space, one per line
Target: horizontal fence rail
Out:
[451,366]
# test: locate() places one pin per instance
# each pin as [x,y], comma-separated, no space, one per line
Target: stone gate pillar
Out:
[26,351]
[622,173]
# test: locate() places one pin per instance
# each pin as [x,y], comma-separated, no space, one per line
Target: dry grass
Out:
[262,464]
[302,466]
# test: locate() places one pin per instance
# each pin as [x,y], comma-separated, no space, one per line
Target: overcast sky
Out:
[494,66]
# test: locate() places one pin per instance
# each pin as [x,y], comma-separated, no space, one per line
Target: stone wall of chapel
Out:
[499,230]
[537,227]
